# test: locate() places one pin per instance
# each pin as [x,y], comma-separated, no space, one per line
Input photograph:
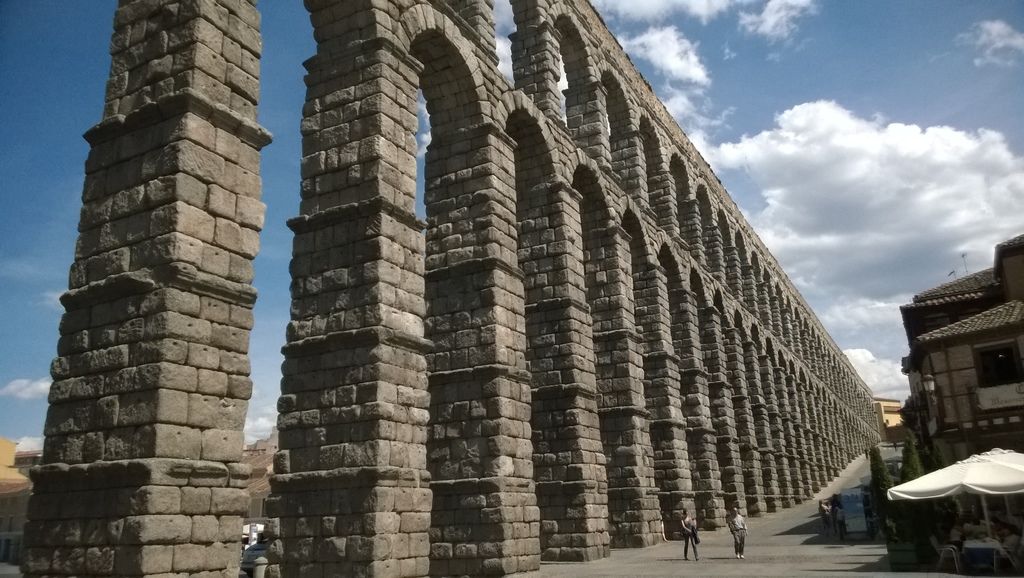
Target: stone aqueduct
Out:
[583,338]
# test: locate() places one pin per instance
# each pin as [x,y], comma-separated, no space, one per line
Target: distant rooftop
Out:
[1010,313]
[967,287]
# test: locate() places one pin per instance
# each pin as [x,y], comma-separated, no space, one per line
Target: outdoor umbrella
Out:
[992,473]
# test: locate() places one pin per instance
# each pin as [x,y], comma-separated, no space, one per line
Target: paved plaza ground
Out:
[787,543]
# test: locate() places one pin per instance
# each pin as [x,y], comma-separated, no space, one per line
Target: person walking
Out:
[841,523]
[690,536]
[738,527]
[825,512]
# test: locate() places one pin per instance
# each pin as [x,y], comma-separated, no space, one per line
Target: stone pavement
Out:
[787,543]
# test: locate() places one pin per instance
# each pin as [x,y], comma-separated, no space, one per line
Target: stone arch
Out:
[621,146]
[663,300]
[731,264]
[656,183]
[634,517]
[742,366]
[748,286]
[703,440]
[676,219]
[559,351]
[581,80]
[711,240]
[714,320]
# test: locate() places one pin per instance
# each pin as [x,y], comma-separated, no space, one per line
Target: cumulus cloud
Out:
[504,25]
[29,444]
[261,419]
[855,203]
[863,213]
[777,19]
[26,388]
[999,43]
[652,10]
[671,53]
[423,135]
[883,376]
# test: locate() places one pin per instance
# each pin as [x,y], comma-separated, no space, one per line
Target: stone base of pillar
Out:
[635,518]
[672,506]
[756,505]
[136,518]
[574,521]
[370,522]
[485,526]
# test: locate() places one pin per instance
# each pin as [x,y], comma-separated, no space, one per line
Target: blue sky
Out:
[871,143]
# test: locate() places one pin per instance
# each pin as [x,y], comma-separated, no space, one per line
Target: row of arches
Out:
[581,372]
[551,363]
[604,119]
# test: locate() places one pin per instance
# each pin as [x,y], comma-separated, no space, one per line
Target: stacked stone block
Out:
[141,472]
[534,371]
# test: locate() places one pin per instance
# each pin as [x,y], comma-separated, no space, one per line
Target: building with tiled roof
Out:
[965,365]
[14,492]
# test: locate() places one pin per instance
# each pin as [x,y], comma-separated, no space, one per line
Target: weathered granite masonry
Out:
[141,472]
[581,340]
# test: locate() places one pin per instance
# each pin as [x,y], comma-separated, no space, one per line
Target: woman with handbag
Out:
[690,536]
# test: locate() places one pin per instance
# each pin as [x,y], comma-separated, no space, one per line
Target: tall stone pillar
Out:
[723,418]
[690,223]
[141,472]
[801,447]
[406,402]
[569,460]
[733,272]
[661,385]
[713,250]
[779,446]
[700,434]
[783,381]
[762,425]
[742,406]
[634,514]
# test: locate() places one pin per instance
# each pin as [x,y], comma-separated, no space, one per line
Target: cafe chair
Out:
[944,550]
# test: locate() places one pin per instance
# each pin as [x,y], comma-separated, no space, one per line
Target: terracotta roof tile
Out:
[1017,241]
[1010,313]
[981,282]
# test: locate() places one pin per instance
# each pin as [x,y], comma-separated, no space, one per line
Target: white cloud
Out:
[423,132]
[259,422]
[861,312]
[883,376]
[999,43]
[504,24]
[671,53]
[863,213]
[652,10]
[893,204]
[26,388]
[777,20]
[505,57]
[29,444]
[727,52]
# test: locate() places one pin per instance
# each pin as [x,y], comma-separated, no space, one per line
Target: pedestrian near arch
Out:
[738,527]
[690,536]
